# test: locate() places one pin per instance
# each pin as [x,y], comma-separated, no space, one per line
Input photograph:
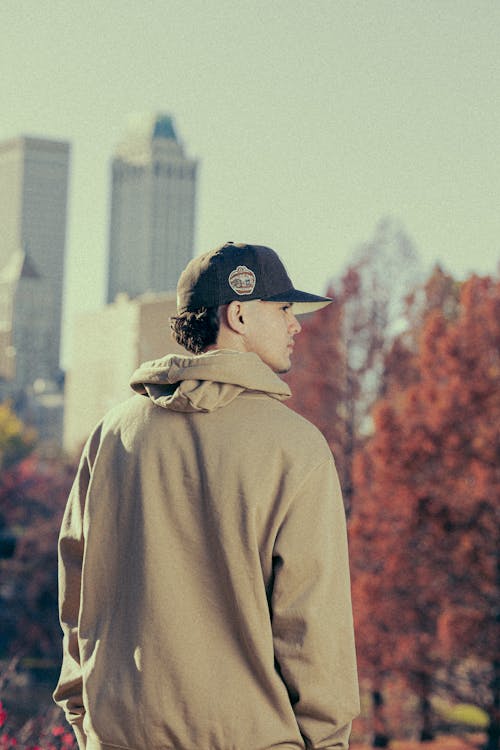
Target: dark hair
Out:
[196,330]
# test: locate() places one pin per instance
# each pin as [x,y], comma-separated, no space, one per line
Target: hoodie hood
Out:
[206,382]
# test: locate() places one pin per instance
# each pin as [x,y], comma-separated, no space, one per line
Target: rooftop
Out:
[164,128]
[142,131]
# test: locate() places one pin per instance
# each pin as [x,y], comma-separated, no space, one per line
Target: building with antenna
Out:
[152,216]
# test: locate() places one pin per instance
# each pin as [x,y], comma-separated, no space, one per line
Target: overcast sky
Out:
[311,120]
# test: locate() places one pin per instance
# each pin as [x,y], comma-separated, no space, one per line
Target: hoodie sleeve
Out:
[312,614]
[68,692]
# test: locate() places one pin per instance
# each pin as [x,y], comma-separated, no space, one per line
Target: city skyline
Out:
[34,176]
[310,123]
[153,191]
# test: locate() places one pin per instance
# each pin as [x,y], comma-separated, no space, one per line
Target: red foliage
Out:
[426,529]
[318,376]
[37,734]
[33,494]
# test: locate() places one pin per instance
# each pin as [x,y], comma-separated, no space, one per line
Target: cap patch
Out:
[242,280]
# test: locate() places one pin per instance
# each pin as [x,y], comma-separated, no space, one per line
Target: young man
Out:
[204,585]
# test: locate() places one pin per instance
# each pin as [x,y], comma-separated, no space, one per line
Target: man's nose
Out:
[295,326]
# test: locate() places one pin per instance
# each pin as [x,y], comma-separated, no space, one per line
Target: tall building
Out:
[108,345]
[33,206]
[152,219]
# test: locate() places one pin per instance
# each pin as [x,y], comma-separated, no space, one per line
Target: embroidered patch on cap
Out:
[242,280]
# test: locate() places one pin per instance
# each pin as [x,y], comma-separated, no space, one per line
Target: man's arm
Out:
[312,614]
[68,692]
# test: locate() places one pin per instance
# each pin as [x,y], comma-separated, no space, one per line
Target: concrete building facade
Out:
[110,343]
[152,216]
[34,174]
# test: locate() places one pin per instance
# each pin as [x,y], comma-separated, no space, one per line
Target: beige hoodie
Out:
[204,586]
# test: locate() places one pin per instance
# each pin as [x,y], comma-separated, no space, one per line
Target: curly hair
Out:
[196,330]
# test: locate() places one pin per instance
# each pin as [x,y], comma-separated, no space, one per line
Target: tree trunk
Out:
[426,730]
[380,732]
[493,737]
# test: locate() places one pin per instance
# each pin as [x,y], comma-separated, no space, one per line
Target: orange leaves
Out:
[425,480]
[425,530]
[318,378]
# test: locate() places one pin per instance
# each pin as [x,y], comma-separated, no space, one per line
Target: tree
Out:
[338,362]
[318,378]
[425,534]
[32,498]
[374,289]
[382,275]
[16,441]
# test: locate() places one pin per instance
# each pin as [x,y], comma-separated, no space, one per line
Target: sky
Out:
[311,121]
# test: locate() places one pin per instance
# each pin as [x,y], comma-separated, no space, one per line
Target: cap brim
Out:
[303,302]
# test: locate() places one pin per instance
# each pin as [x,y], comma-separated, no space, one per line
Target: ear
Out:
[235,316]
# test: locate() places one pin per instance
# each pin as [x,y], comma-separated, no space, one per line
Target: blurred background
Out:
[358,139]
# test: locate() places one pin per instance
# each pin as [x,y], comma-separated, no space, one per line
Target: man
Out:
[204,585]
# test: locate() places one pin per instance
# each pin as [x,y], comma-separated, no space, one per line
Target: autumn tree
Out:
[337,366]
[318,377]
[425,531]
[33,491]
[33,499]
[382,274]
[16,440]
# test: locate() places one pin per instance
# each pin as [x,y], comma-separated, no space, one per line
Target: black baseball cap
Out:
[240,272]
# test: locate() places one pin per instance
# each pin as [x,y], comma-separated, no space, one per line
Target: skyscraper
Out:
[153,190]
[33,206]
